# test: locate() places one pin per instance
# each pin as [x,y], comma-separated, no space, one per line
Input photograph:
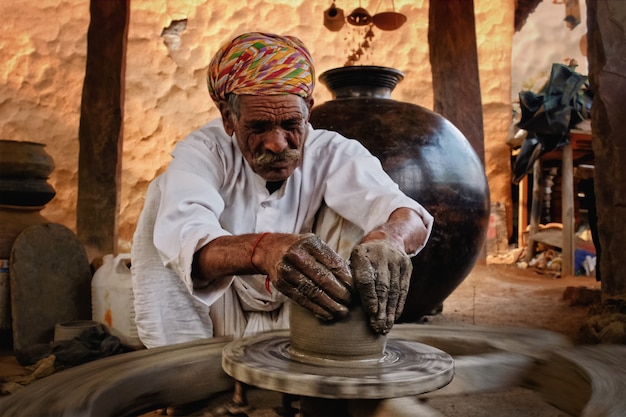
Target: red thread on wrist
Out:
[253,249]
[267,284]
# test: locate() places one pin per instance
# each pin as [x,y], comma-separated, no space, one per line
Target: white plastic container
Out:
[112,299]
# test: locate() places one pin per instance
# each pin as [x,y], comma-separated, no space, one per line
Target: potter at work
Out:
[258,207]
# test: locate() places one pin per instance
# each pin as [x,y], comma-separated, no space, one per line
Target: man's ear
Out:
[227,120]
[309,103]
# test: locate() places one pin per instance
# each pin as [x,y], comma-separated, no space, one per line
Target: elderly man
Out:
[258,207]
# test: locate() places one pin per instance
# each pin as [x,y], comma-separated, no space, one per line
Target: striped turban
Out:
[261,64]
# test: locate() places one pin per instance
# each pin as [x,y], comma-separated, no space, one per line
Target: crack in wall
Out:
[171,34]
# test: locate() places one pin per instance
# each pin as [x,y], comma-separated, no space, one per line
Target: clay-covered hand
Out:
[382,274]
[316,277]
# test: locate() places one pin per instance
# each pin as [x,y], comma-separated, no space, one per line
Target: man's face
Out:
[270,132]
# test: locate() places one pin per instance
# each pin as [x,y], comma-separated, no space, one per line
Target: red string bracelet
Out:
[267,279]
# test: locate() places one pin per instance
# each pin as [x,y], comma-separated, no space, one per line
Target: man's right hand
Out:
[314,276]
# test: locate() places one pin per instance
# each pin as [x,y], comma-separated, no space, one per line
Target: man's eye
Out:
[259,128]
[291,126]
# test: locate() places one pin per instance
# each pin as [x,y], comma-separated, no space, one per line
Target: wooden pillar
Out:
[535,211]
[522,211]
[567,211]
[454,66]
[454,62]
[100,131]
[606,33]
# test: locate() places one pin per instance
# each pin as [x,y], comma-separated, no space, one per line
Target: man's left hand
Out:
[382,274]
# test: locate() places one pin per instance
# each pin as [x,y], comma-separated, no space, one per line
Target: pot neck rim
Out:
[361,81]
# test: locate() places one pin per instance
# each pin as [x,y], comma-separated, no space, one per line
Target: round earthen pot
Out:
[22,159]
[431,161]
[25,192]
[24,170]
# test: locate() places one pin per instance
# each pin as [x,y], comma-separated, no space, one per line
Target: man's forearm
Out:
[226,255]
[253,253]
[405,228]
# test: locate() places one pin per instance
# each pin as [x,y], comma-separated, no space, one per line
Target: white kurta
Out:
[209,191]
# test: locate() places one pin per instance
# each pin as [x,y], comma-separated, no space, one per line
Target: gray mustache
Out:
[285,156]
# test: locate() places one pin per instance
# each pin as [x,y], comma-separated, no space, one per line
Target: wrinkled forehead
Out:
[278,108]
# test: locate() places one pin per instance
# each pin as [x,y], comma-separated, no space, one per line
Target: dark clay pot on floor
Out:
[431,161]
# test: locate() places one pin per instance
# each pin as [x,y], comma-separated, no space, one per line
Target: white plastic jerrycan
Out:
[112,299]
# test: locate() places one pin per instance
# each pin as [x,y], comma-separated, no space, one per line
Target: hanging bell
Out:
[359,17]
[334,18]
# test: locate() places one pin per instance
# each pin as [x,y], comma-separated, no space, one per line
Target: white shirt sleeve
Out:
[360,190]
[190,206]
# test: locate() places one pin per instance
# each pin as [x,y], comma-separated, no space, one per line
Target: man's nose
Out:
[275,141]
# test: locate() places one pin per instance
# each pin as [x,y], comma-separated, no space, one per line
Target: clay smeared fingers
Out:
[379,321]
[323,254]
[382,274]
[393,297]
[308,294]
[364,276]
[320,264]
[406,269]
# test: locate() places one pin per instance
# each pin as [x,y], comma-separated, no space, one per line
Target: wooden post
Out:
[100,131]
[522,211]
[454,67]
[454,62]
[535,210]
[567,211]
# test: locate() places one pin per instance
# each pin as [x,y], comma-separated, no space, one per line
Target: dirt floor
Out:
[499,295]
[506,295]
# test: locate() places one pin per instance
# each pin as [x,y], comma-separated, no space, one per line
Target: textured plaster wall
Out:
[43,58]
[494,31]
[546,39]
[42,65]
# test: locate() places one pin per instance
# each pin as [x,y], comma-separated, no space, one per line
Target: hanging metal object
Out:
[389,20]
[334,18]
[359,17]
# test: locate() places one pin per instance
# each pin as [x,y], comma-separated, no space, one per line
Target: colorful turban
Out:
[261,64]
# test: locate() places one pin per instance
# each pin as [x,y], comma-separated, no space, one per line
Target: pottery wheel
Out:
[406,368]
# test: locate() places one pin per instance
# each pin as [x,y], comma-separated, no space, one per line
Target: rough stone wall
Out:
[43,53]
[494,27]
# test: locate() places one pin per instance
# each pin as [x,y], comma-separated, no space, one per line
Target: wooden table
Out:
[578,149]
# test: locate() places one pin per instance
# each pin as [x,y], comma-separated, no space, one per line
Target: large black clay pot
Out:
[431,161]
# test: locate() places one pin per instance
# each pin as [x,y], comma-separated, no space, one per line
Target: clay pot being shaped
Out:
[431,161]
